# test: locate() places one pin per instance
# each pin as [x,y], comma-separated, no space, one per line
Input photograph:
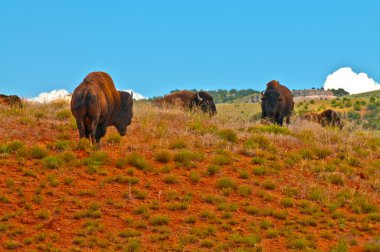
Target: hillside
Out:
[186,182]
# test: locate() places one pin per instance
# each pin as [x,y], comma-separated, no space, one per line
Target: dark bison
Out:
[11,100]
[277,103]
[96,104]
[327,117]
[188,100]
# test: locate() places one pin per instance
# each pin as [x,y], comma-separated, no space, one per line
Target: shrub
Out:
[252,210]
[275,129]
[245,190]
[265,224]
[52,162]
[137,161]
[258,160]
[317,193]
[159,220]
[228,135]
[222,160]
[259,171]
[11,244]
[178,144]
[336,178]
[163,156]
[83,144]
[62,145]
[258,140]
[170,179]
[225,183]
[269,185]
[114,138]
[244,174]
[133,245]
[287,202]
[37,152]
[185,156]
[212,169]
[15,145]
[63,115]
[194,177]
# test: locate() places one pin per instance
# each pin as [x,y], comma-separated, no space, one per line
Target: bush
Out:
[114,138]
[185,156]
[212,169]
[245,190]
[273,128]
[225,183]
[159,220]
[222,160]
[228,135]
[137,161]
[15,145]
[62,145]
[52,162]
[269,185]
[163,156]
[63,115]
[37,152]
[178,144]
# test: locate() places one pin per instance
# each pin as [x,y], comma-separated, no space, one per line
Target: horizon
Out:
[155,47]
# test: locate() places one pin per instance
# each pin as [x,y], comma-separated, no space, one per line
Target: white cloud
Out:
[53,95]
[63,94]
[136,96]
[350,81]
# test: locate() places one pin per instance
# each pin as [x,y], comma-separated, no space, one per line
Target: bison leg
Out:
[81,128]
[288,120]
[92,129]
[280,120]
[100,132]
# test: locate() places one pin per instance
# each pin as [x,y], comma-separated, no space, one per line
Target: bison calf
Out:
[96,104]
[327,117]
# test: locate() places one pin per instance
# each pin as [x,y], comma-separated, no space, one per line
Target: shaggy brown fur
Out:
[327,117]
[96,104]
[188,100]
[277,103]
[11,100]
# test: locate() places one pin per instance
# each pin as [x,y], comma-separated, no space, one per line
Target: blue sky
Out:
[153,47]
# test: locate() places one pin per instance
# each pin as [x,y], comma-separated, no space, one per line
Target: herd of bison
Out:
[96,104]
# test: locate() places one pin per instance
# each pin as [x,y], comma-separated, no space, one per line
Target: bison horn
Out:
[199,98]
[262,93]
[132,94]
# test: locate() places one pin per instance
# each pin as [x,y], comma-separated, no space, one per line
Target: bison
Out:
[11,100]
[277,103]
[96,104]
[188,100]
[327,117]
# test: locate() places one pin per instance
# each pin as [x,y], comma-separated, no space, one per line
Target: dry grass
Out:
[185,181]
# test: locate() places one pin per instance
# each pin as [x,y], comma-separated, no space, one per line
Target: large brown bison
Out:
[327,117]
[11,100]
[277,103]
[96,104]
[188,100]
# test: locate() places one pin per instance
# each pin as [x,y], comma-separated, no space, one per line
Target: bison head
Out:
[272,101]
[205,103]
[124,117]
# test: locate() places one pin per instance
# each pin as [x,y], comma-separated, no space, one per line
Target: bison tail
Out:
[80,100]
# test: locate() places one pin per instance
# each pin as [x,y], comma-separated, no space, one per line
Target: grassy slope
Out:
[182,181]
